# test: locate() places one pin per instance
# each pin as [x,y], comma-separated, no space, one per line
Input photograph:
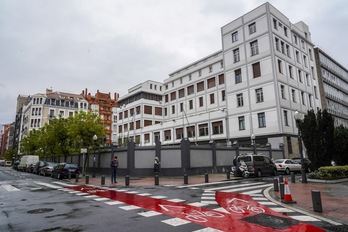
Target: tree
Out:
[340,155]
[318,137]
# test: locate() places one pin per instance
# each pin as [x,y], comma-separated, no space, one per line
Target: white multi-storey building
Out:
[265,72]
[42,107]
[334,87]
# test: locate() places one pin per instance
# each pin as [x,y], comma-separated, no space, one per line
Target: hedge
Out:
[330,173]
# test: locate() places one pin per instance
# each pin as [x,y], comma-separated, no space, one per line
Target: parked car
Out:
[30,168]
[308,164]
[258,165]
[15,165]
[26,160]
[47,168]
[2,162]
[38,165]
[62,170]
[287,166]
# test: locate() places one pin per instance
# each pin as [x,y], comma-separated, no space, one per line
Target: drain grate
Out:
[271,221]
[41,210]
[339,228]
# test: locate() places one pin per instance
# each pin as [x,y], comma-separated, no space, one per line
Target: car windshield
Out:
[71,166]
[245,158]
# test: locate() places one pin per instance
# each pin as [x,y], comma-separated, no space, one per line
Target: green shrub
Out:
[332,172]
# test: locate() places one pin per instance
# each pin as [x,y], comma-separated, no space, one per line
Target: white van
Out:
[26,160]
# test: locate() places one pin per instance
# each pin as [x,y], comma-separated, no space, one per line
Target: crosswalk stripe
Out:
[234,186]
[246,188]
[10,188]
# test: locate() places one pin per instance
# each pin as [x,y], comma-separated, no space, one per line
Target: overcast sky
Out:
[113,45]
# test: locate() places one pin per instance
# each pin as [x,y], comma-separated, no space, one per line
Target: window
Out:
[280,70]
[173,109]
[286,122]
[181,107]
[256,69]
[181,93]
[310,100]
[210,68]
[307,79]
[166,98]
[221,79]
[310,54]
[165,111]
[211,82]
[173,96]
[305,60]
[203,129]
[286,31]
[288,50]
[217,128]
[277,44]
[254,48]
[293,95]
[282,45]
[315,92]
[262,120]
[240,101]
[300,76]
[241,123]
[297,56]
[200,102]
[223,95]
[179,133]
[259,95]
[295,39]
[290,72]
[282,91]
[167,135]
[147,110]
[234,36]
[236,57]
[200,86]
[212,98]
[191,104]
[303,44]
[238,75]
[191,131]
[303,98]
[275,24]
[252,28]
[190,90]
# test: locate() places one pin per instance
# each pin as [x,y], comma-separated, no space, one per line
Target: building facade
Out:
[247,92]
[102,104]
[333,87]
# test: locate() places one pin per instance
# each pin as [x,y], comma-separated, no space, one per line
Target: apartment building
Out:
[102,104]
[333,87]
[40,108]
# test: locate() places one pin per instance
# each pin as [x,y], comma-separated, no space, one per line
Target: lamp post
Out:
[95,138]
[253,143]
[298,119]
[269,146]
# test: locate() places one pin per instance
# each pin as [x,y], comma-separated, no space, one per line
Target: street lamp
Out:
[298,119]
[253,143]
[269,146]
[95,138]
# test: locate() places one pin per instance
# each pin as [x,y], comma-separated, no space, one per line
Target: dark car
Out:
[15,164]
[30,168]
[47,168]
[65,170]
[308,164]
[258,165]
[37,166]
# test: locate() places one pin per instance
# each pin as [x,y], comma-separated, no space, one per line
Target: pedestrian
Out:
[113,165]
[156,165]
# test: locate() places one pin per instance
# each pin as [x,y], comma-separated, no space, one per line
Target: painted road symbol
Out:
[247,209]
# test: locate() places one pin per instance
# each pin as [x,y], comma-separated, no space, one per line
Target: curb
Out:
[328,181]
[269,197]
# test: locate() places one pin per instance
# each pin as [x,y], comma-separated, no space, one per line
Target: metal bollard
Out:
[281,179]
[185,179]
[316,199]
[206,177]
[102,180]
[69,176]
[156,180]
[228,173]
[293,177]
[281,186]
[87,179]
[127,180]
[77,178]
[275,185]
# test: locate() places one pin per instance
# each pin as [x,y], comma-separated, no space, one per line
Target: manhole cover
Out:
[42,210]
[274,222]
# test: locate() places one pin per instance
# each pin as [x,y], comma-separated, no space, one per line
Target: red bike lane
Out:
[242,212]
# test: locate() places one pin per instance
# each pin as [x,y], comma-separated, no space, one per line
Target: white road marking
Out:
[10,188]
[149,214]
[176,222]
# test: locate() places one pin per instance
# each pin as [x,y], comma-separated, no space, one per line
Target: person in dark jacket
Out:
[156,165]
[114,165]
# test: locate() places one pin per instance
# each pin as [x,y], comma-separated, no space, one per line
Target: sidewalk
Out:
[334,197]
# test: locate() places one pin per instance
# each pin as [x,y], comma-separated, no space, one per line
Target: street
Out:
[35,203]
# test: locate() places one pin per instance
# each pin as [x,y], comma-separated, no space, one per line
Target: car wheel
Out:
[259,173]
[274,172]
[287,171]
